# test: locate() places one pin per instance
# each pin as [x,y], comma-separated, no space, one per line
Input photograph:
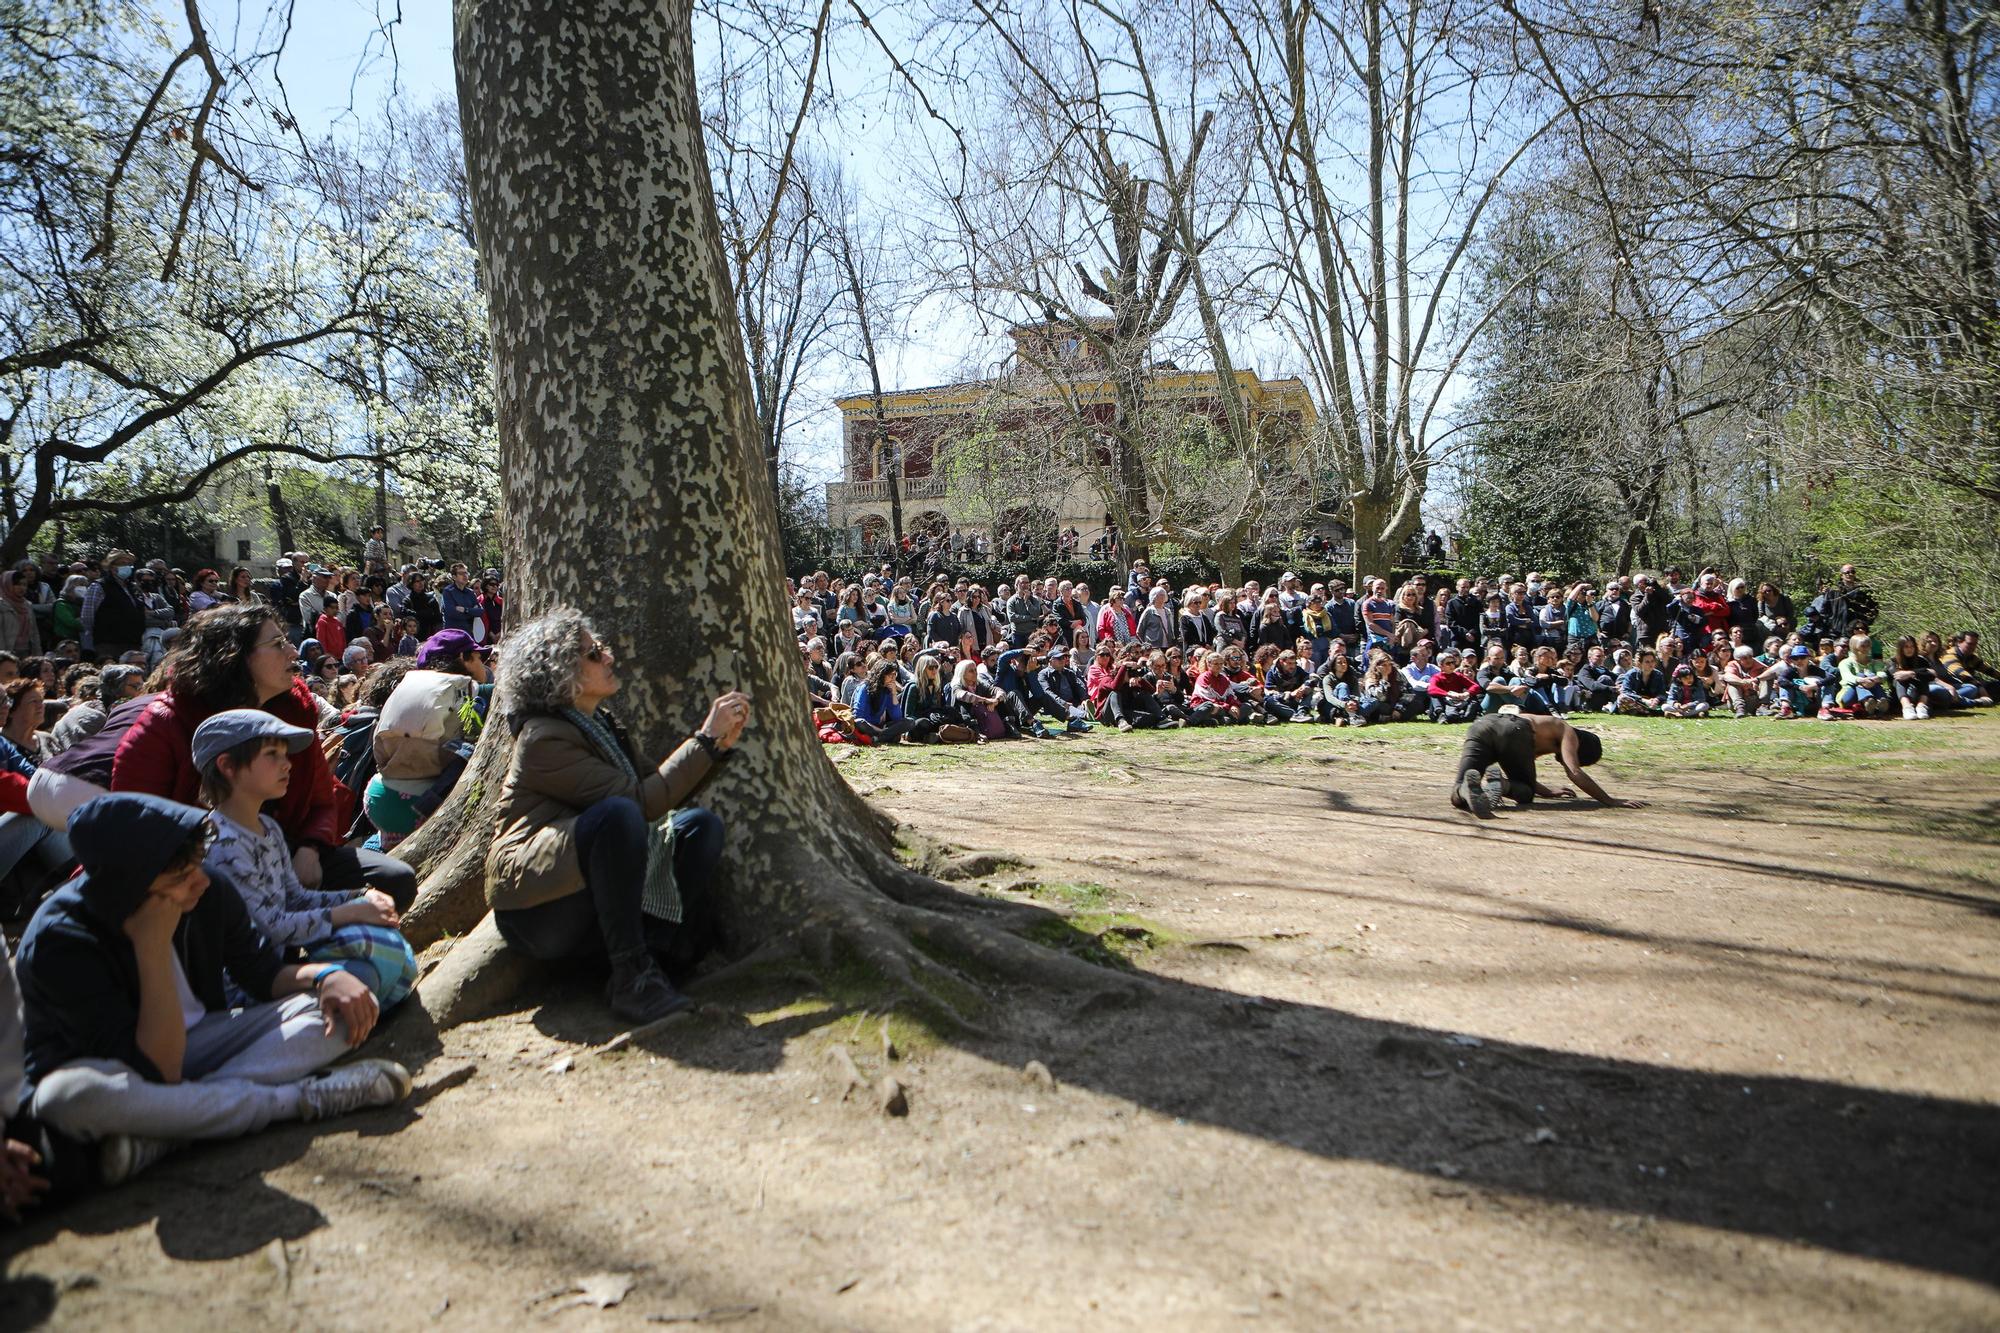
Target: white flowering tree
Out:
[179,297]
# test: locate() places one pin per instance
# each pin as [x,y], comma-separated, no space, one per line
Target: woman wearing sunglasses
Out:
[592,858]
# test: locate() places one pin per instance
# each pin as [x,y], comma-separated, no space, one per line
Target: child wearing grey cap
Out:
[244,755]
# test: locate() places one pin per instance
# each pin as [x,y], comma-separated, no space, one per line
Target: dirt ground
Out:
[1729,1061]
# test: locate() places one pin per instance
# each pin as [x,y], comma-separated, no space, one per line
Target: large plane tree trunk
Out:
[634,486]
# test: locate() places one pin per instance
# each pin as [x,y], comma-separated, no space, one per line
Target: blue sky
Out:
[339,69]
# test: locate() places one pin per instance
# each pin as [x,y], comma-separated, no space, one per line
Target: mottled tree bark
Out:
[634,486]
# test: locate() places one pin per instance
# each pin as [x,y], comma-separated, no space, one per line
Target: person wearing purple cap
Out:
[450,649]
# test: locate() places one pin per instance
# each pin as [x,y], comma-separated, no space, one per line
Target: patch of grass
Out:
[844,993]
[1804,747]
[800,1008]
[1072,896]
[1108,939]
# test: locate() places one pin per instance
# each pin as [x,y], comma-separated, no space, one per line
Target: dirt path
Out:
[1728,1061]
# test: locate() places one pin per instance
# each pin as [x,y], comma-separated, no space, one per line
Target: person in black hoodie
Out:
[422,606]
[130,1043]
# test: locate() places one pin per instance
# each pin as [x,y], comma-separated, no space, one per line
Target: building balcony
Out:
[859,492]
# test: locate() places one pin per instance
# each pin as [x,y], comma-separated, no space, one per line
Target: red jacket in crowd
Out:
[157,756]
[331,635]
[1101,681]
[1714,611]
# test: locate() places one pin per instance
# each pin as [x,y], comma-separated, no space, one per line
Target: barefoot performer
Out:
[1508,745]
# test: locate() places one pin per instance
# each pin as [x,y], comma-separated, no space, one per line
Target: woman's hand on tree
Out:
[726,718]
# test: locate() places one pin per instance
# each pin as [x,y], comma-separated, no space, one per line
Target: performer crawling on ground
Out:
[1498,760]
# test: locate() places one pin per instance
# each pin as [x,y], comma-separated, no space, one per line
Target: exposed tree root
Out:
[940,950]
[449,851]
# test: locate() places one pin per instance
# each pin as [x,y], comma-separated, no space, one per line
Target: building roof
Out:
[954,398]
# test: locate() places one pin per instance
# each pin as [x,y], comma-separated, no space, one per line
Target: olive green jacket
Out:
[555,775]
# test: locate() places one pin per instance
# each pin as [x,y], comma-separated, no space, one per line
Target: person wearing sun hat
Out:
[425,734]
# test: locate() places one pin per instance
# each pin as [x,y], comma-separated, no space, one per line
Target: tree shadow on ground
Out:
[1901,1177]
[207,1202]
[1906,1178]
[210,1201]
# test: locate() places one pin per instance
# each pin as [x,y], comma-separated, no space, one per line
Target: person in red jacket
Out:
[1454,695]
[332,635]
[238,657]
[1714,607]
[1114,695]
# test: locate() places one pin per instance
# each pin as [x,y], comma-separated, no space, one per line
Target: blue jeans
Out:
[604,917]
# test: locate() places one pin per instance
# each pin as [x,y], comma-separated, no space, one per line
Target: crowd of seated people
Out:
[201,808]
[201,793]
[889,659]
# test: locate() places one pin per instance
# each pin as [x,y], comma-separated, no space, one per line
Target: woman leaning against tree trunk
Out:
[591,858]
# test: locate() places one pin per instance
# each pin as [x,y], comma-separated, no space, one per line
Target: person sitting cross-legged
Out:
[1596,682]
[1966,692]
[131,1040]
[1642,690]
[244,755]
[1963,664]
[1060,687]
[1863,686]
[1415,700]
[1687,695]
[1747,682]
[1454,696]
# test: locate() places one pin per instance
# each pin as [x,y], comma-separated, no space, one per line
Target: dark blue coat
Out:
[79,976]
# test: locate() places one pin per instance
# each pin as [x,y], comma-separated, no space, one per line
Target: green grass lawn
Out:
[1962,745]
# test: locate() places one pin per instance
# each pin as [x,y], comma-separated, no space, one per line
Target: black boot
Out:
[639,992]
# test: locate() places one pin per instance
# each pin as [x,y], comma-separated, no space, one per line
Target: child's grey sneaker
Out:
[123,1156]
[354,1087]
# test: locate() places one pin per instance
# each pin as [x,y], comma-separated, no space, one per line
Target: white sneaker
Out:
[1923,712]
[123,1156]
[354,1087]
[1909,711]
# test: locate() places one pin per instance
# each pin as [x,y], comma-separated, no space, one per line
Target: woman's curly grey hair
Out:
[538,665]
